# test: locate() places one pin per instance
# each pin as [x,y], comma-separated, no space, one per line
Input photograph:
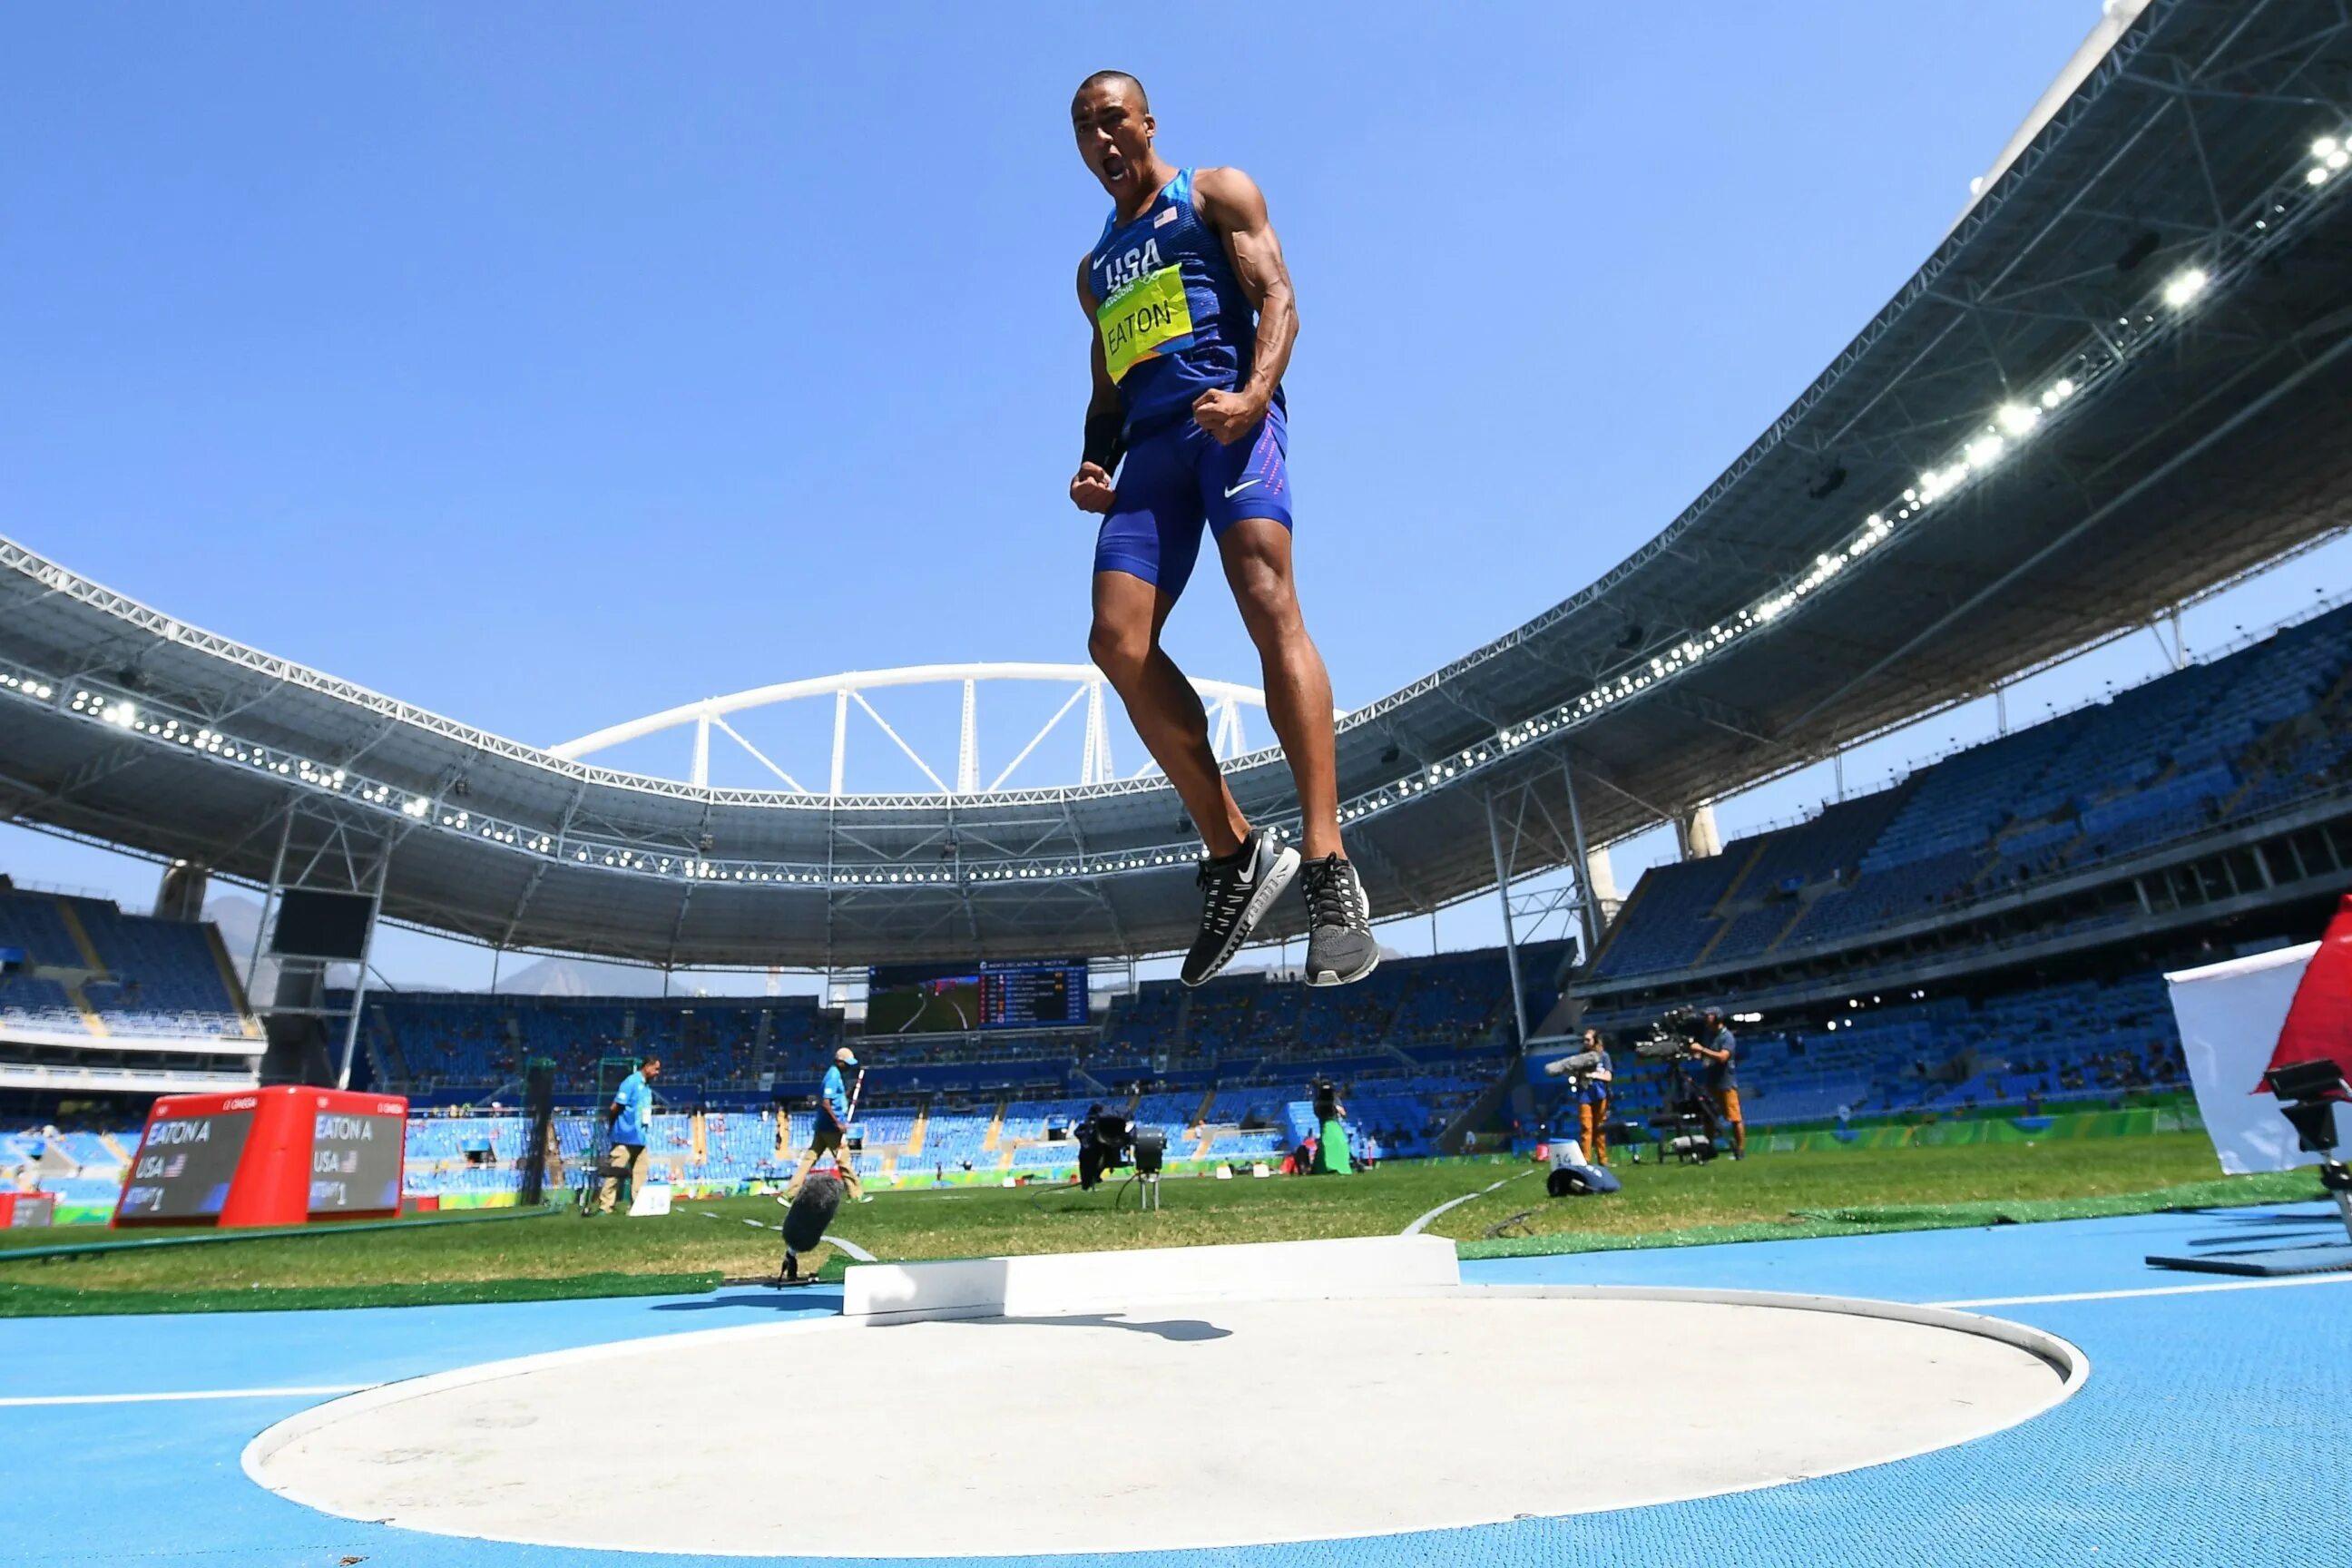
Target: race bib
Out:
[1143,318]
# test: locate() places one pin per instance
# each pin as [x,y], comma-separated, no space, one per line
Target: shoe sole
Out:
[1322,977]
[1277,882]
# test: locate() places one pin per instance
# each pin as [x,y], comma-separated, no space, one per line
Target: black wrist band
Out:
[1105,440]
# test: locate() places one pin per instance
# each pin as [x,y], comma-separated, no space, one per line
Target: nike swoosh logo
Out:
[1239,488]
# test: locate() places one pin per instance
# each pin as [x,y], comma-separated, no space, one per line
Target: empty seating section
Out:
[162,978]
[32,1003]
[2041,1045]
[1671,918]
[137,978]
[464,1041]
[35,923]
[2207,746]
[1171,1113]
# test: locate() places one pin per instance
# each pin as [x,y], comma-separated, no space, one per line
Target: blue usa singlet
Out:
[1173,319]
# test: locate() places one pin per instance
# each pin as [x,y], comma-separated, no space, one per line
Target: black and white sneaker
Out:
[1235,894]
[1339,943]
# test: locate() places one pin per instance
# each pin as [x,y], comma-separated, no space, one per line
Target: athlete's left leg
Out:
[1245,493]
[1257,559]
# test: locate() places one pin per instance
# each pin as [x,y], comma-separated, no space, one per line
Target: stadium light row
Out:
[2107,348]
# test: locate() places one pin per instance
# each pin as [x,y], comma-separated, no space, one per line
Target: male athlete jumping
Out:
[1192,319]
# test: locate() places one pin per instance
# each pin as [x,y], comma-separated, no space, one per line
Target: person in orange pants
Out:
[1593,1108]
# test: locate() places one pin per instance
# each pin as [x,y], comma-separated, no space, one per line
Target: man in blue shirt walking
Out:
[632,1116]
[831,1133]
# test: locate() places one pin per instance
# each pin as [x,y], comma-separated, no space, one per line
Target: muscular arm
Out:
[1234,209]
[1091,488]
[1102,403]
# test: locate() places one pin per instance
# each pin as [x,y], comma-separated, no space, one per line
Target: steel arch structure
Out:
[1225,702]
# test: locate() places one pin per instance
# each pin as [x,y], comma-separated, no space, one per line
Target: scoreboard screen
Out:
[185,1164]
[355,1159]
[1044,994]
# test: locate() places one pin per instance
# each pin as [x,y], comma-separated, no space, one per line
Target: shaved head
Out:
[1143,99]
[1112,116]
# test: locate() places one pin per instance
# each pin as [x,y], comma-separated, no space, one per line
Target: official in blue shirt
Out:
[632,1116]
[831,1133]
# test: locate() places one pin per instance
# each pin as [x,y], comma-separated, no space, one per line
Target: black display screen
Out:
[355,1162]
[185,1165]
[321,925]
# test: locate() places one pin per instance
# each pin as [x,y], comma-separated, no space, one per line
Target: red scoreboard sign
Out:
[269,1156]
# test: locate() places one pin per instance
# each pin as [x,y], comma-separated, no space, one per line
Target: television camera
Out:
[1691,1117]
[1108,1140]
[1669,1037]
[2308,1094]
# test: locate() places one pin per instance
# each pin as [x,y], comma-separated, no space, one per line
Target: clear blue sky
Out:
[548,364]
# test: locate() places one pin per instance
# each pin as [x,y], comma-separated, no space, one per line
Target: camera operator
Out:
[1332,1157]
[1592,1100]
[1716,1046]
[1097,1152]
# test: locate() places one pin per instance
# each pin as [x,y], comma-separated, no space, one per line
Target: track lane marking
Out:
[308,1392]
[2150,1290]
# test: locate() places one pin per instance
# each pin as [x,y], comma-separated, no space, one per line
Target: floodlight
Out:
[2326,147]
[2186,285]
[2337,159]
[2318,175]
[2017,418]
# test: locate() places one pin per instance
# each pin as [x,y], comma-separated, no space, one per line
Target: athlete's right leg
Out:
[1147,549]
[1161,704]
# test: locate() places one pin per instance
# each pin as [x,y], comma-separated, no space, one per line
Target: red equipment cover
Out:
[270,1156]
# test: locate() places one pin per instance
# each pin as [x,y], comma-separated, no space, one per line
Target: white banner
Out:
[2230,1015]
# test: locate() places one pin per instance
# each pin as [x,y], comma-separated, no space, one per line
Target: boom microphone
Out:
[1567,1066]
[812,1212]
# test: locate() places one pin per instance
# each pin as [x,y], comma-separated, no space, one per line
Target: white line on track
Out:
[306,1393]
[856,1253]
[1417,1226]
[2151,1290]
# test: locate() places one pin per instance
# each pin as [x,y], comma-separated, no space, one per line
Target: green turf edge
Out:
[66,1301]
[31,1246]
[2287,1186]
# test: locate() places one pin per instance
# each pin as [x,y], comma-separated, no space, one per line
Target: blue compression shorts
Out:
[1179,477]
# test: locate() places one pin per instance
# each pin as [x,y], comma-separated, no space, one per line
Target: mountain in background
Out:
[582,977]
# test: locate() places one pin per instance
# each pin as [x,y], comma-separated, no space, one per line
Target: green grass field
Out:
[700,1243]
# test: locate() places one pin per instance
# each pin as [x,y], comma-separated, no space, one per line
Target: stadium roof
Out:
[2121,379]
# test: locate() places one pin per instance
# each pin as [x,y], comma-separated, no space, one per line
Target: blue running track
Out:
[2213,1431]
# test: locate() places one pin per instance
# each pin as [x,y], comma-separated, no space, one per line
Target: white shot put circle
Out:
[1226,1424]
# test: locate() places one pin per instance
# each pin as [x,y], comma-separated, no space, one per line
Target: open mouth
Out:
[1114,166]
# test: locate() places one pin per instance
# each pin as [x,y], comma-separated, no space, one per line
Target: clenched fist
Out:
[1090,489]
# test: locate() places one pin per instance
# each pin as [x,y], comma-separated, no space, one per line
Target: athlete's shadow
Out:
[809,1299]
[1177,1330]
